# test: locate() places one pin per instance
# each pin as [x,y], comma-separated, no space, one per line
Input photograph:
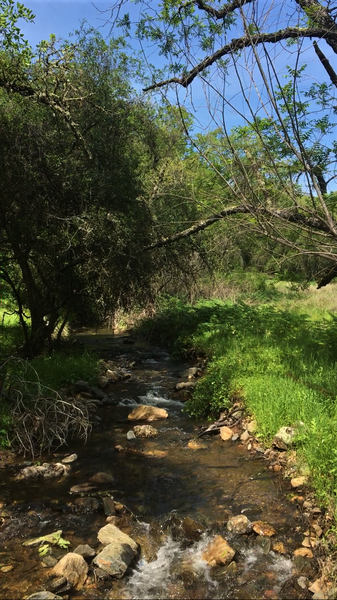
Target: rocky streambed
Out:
[154,505]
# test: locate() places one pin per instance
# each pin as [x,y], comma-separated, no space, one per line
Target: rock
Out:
[191,372]
[57,584]
[97,392]
[49,561]
[45,471]
[74,568]
[195,445]
[103,381]
[145,431]
[317,529]
[185,385]
[251,427]
[244,436]
[130,435]
[237,414]
[85,550]
[319,596]
[83,488]
[226,433]
[109,534]
[284,437]
[298,482]
[263,543]
[303,582]
[306,552]
[101,478]
[262,528]
[115,559]
[277,468]
[69,459]
[155,453]
[113,376]
[218,552]
[192,529]
[309,542]
[279,547]
[87,504]
[119,448]
[44,596]
[235,437]
[316,586]
[109,506]
[240,524]
[112,519]
[82,386]
[147,413]
[118,553]
[6,568]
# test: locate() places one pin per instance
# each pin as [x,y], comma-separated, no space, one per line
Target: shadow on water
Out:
[162,482]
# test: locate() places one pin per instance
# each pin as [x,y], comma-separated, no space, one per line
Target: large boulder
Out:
[118,553]
[74,568]
[218,552]
[240,524]
[142,412]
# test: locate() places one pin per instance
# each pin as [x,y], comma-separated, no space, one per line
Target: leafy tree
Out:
[239,53]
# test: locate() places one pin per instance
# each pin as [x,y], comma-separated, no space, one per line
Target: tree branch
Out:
[244,42]
[287,215]
[326,64]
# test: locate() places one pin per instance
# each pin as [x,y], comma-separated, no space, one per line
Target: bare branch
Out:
[326,64]
[245,42]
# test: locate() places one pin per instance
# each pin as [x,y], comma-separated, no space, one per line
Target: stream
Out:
[177,498]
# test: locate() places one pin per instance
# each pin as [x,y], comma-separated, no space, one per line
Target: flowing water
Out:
[178,498]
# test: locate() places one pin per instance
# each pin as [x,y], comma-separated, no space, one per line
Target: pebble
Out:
[297,482]
[130,435]
[244,436]
[7,569]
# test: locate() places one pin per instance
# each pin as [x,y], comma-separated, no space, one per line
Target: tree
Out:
[73,214]
[239,52]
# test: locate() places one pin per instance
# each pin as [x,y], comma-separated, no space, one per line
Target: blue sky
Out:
[61,17]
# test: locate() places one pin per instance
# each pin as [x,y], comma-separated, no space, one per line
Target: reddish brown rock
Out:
[262,528]
[219,552]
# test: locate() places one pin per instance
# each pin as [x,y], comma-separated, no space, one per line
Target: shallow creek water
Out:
[205,485]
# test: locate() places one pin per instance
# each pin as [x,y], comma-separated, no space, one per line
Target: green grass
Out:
[281,361]
[61,368]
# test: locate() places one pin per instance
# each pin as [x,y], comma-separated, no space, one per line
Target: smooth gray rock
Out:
[130,435]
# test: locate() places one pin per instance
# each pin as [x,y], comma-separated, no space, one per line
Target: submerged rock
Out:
[87,504]
[83,488]
[263,529]
[101,478]
[218,552]
[239,524]
[74,568]
[147,413]
[145,431]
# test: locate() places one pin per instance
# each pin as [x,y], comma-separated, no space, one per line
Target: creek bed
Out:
[164,484]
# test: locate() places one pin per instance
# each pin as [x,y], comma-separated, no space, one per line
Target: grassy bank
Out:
[281,361]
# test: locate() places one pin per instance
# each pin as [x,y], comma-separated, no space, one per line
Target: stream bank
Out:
[172,494]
